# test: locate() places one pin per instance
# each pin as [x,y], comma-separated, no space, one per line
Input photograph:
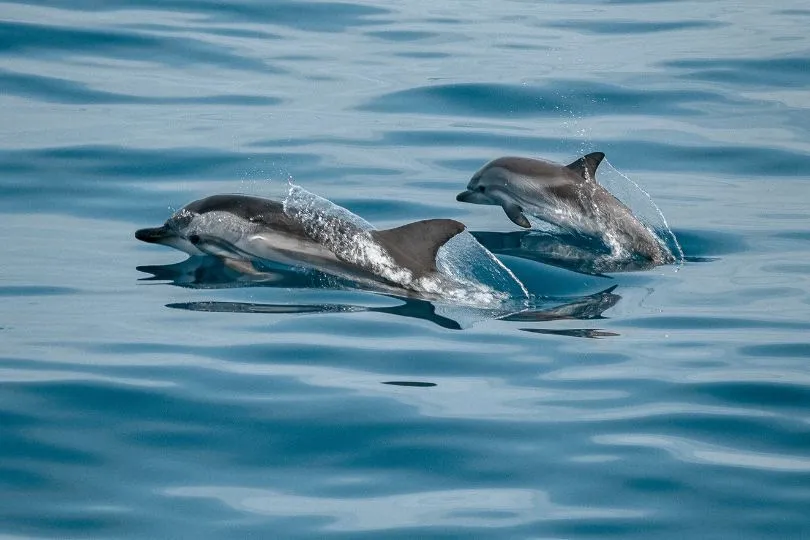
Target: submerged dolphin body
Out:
[566,196]
[239,229]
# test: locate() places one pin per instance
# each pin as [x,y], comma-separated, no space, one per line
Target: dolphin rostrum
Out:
[567,196]
[239,229]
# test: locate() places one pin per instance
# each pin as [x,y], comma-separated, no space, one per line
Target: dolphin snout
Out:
[153,235]
[474,197]
[463,196]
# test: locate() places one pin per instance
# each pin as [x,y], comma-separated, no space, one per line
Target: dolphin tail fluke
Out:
[586,165]
[414,246]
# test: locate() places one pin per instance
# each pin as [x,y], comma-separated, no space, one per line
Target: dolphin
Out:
[566,196]
[240,229]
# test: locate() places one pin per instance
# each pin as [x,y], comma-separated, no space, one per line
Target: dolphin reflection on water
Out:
[572,252]
[210,273]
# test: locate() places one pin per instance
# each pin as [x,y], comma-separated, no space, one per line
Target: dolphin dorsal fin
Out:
[586,165]
[414,246]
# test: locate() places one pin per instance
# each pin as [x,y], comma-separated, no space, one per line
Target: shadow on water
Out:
[412,384]
[211,273]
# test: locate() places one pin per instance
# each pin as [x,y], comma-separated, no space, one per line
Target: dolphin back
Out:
[414,246]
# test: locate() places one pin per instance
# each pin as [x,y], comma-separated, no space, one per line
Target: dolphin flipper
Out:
[515,213]
[586,165]
[414,246]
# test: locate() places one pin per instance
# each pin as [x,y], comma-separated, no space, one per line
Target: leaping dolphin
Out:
[567,196]
[239,229]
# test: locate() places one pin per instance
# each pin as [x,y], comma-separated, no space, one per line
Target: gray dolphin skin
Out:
[566,196]
[241,228]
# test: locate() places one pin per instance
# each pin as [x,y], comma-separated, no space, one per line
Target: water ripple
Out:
[143,395]
[705,454]
[551,99]
[452,508]
[632,27]
[298,14]
[173,51]
[55,90]
[779,72]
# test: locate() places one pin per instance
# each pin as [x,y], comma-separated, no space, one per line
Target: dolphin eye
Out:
[481,188]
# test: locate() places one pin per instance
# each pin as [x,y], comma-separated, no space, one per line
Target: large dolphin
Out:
[239,229]
[566,196]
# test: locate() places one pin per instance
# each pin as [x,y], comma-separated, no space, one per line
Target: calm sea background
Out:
[170,402]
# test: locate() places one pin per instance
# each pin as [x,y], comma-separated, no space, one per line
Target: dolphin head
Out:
[176,232]
[497,183]
[225,226]
[482,187]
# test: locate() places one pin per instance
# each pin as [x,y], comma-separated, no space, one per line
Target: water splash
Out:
[307,206]
[345,234]
[467,260]
[467,273]
[642,205]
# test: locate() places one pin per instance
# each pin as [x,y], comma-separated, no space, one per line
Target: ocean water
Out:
[146,396]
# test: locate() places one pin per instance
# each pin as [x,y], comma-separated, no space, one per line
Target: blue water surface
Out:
[146,396]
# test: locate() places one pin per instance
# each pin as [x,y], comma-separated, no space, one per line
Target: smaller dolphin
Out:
[239,229]
[566,196]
